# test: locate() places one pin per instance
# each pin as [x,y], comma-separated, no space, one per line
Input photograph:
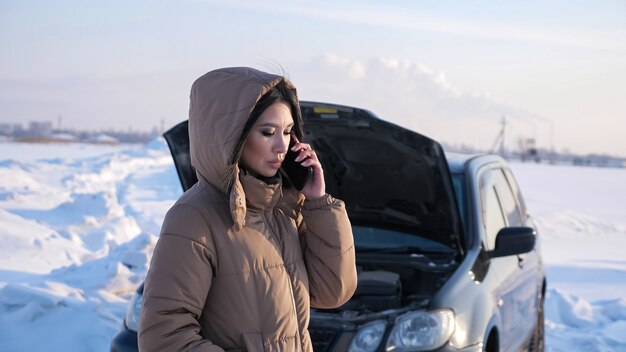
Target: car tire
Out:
[537,340]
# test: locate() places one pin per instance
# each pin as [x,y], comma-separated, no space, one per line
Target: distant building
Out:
[599,161]
[8,129]
[40,127]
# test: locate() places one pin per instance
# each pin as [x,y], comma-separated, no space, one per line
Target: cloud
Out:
[407,93]
[410,94]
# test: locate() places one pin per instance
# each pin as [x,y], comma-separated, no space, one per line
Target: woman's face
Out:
[266,145]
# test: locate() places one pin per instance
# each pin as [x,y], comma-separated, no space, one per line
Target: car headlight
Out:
[134,312]
[368,337]
[421,331]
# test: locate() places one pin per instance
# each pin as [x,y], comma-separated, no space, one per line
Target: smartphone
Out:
[298,175]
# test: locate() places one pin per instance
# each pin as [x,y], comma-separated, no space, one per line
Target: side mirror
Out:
[513,241]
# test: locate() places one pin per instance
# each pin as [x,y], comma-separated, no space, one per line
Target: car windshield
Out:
[370,239]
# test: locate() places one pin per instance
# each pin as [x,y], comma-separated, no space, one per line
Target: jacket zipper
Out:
[293,298]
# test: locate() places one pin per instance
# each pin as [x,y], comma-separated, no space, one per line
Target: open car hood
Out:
[388,176]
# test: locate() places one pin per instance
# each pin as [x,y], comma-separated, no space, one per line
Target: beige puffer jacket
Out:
[238,269]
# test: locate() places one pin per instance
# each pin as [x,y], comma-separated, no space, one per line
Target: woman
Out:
[242,255]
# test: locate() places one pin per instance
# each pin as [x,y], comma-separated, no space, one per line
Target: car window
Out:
[507,200]
[493,216]
[516,190]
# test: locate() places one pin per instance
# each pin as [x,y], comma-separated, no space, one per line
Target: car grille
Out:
[321,339]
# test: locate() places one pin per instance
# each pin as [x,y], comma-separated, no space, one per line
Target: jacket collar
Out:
[249,192]
[260,194]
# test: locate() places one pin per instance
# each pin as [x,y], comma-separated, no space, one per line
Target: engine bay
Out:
[387,288]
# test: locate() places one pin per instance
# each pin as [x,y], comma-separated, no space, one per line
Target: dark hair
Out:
[280,92]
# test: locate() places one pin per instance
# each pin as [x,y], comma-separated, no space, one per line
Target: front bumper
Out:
[328,340]
[472,348]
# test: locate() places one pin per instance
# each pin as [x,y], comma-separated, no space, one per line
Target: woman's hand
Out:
[315,188]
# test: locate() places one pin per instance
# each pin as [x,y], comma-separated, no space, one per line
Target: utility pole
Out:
[502,141]
[552,153]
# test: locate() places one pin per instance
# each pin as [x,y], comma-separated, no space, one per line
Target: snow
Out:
[102,138]
[581,215]
[78,224]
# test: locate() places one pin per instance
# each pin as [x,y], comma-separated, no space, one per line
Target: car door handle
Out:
[520,261]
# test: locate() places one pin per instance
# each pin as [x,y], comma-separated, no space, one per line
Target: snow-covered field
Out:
[78,224]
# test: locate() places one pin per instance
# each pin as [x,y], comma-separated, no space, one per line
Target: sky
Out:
[555,72]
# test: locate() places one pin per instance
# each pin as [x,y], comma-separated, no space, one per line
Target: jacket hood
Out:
[220,104]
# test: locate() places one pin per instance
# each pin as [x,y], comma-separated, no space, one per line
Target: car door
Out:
[506,269]
[522,284]
[530,276]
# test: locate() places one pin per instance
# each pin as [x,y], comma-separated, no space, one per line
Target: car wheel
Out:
[537,340]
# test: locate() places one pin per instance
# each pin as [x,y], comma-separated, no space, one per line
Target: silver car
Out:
[447,255]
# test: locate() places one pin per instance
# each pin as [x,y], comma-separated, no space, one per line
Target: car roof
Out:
[457,162]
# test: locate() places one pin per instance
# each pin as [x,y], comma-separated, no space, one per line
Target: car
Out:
[448,257]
